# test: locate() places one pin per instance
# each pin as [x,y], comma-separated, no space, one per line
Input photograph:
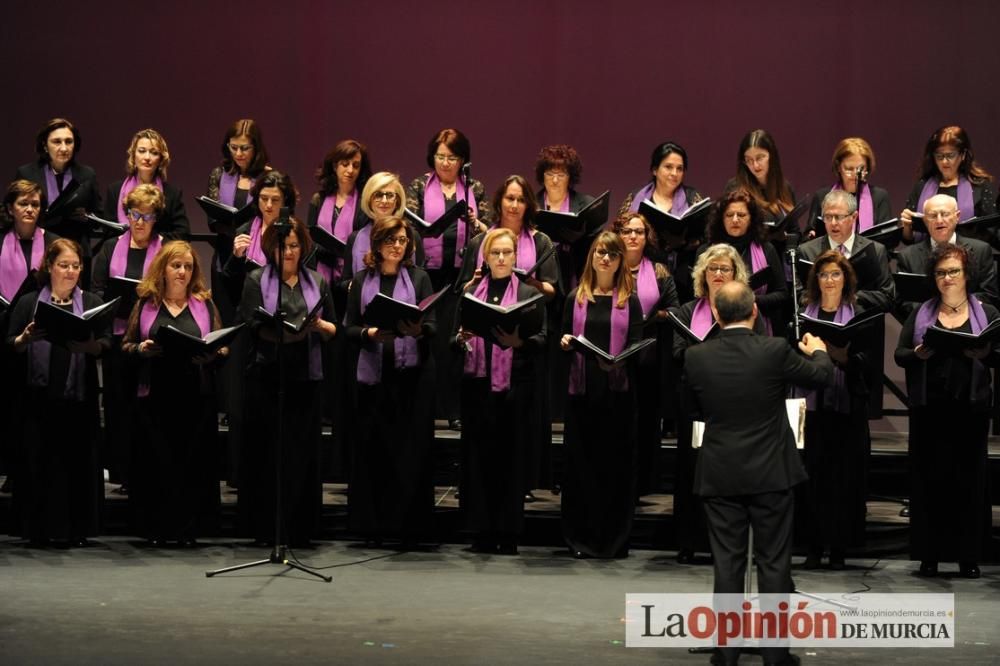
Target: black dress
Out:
[500,430]
[57,484]
[175,485]
[392,483]
[950,515]
[301,423]
[598,497]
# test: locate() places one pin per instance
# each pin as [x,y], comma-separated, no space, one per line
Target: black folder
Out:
[385,312]
[888,233]
[913,287]
[839,335]
[176,342]
[122,289]
[588,348]
[919,224]
[794,220]
[980,225]
[481,318]
[324,239]
[65,202]
[64,326]
[759,279]
[438,226]
[223,219]
[690,224]
[565,227]
[947,341]
[292,325]
[683,329]
[528,272]
[106,228]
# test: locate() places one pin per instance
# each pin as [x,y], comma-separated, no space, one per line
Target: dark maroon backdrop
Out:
[613,78]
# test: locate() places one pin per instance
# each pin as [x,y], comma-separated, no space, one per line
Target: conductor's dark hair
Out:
[665,150]
[277,179]
[42,138]
[717,227]
[559,157]
[269,241]
[734,302]
[250,129]
[345,150]
[456,142]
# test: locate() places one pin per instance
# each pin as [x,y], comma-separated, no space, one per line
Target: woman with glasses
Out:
[302,291]
[950,409]
[391,481]
[147,161]
[58,489]
[737,221]
[126,258]
[949,167]
[429,196]
[558,169]
[853,165]
[758,171]
[656,374]
[666,190]
[716,266]
[832,517]
[175,487]
[598,493]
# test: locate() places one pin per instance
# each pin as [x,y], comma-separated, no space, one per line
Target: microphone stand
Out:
[278,551]
[792,249]
[465,174]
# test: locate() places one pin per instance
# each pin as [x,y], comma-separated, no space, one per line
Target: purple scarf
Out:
[341,228]
[526,256]
[563,207]
[866,211]
[269,285]
[966,202]
[433,209]
[702,318]
[130,184]
[228,184]
[362,244]
[51,184]
[835,398]
[13,270]
[147,315]
[758,261]
[404,349]
[40,353]
[646,286]
[617,379]
[119,261]
[926,317]
[678,205]
[254,252]
[502,360]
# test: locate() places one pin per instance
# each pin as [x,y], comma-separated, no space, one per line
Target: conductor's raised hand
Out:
[810,344]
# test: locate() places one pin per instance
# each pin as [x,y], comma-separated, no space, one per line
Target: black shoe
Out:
[455,424]
[969,570]
[928,569]
[121,490]
[187,543]
[5,488]
[837,562]
[790,660]
[82,542]
[685,556]
[556,489]
[530,497]
[813,560]
[507,549]
[580,555]
[158,543]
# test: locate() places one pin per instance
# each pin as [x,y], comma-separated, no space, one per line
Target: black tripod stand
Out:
[278,556]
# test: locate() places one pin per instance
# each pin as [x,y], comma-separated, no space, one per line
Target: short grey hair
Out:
[834,197]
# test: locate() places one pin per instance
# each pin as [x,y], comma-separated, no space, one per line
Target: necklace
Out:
[60,301]
[955,308]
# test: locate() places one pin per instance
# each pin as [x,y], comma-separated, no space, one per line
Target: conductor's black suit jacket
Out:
[738,382]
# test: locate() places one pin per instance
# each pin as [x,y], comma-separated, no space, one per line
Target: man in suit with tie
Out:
[748,465]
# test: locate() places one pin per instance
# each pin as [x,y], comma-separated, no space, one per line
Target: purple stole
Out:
[433,209]
[254,252]
[677,206]
[758,261]
[270,282]
[362,244]
[13,270]
[702,318]
[866,211]
[147,315]
[40,353]
[130,184]
[926,317]
[119,262]
[228,184]
[502,360]
[966,201]
[404,349]
[646,286]
[836,397]
[526,256]
[51,184]
[341,229]
[617,379]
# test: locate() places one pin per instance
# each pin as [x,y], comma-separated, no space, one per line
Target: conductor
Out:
[738,382]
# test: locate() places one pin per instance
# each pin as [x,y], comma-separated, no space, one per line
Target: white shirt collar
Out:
[848,244]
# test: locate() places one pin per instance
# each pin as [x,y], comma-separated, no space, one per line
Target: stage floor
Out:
[119,602]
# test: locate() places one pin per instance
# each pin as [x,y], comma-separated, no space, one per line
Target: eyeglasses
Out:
[447,159]
[736,215]
[145,217]
[720,270]
[626,232]
[384,196]
[556,175]
[496,254]
[852,171]
[835,217]
[831,275]
[240,148]
[67,266]
[946,157]
[26,205]
[939,215]
[610,254]
[396,240]
[760,159]
[947,273]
